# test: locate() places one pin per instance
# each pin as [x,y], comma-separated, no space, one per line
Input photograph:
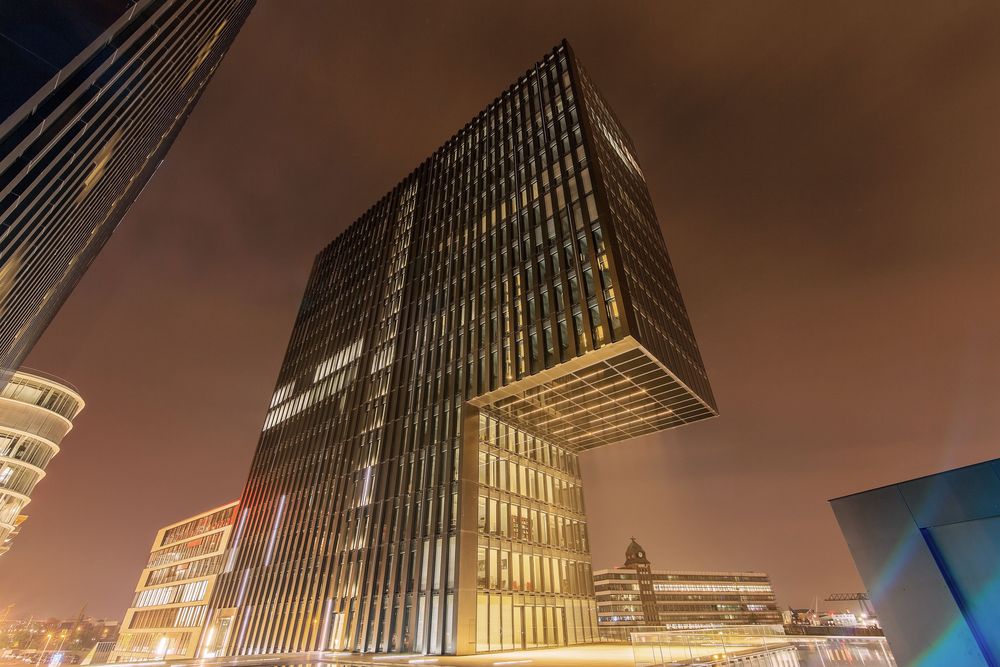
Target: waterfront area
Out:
[755,646]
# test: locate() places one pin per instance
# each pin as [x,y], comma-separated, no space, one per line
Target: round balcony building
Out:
[36,413]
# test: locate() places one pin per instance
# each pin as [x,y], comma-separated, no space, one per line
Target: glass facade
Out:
[533,576]
[928,550]
[168,613]
[637,598]
[416,485]
[681,601]
[36,413]
[93,95]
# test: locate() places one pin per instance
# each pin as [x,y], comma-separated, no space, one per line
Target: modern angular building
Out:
[91,98]
[507,306]
[928,550]
[167,616]
[637,598]
[36,413]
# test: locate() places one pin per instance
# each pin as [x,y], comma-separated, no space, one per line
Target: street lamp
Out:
[57,656]
[48,638]
[6,611]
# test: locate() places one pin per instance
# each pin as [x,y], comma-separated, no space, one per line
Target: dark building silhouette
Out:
[92,95]
[508,305]
[637,598]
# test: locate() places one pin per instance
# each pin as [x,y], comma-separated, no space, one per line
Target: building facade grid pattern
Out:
[168,613]
[485,276]
[76,155]
[630,600]
[36,413]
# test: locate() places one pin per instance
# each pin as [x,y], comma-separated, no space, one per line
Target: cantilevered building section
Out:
[508,305]
[92,95]
[167,616]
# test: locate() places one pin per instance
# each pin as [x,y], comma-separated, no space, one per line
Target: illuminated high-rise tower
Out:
[92,95]
[508,305]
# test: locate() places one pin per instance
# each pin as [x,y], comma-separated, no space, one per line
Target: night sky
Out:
[826,178]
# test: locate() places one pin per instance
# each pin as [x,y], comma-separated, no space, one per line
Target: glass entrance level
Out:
[755,646]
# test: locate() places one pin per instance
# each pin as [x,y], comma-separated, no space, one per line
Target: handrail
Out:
[45,375]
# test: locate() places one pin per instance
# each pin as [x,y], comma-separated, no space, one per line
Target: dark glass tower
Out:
[92,95]
[508,305]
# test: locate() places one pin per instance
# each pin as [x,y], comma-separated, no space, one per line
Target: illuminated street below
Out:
[605,655]
[833,652]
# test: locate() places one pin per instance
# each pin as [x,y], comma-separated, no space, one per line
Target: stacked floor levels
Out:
[36,413]
[167,616]
[637,598]
[509,304]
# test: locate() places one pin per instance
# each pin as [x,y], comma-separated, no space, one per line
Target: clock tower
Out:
[635,559]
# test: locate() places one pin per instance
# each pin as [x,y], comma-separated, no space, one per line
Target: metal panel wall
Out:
[929,553]
[74,156]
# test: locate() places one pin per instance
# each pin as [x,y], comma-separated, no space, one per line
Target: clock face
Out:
[642,555]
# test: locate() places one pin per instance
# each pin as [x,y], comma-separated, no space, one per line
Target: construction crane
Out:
[861,598]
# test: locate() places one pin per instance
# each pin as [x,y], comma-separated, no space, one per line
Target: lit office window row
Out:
[181,617]
[509,569]
[712,588]
[599,585]
[139,646]
[620,618]
[282,393]
[618,597]
[711,597]
[707,577]
[677,608]
[155,597]
[338,361]
[332,385]
[188,570]
[199,526]
[528,481]
[691,621]
[699,577]
[184,550]
[502,519]
[502,436]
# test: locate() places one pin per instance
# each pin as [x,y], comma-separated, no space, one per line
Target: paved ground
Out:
[601,655]
[598,655]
